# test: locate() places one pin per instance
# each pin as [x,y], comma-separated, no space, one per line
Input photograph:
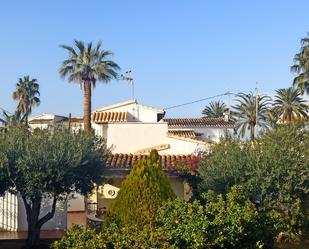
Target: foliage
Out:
[27,92]
[233,222]
[215,222]
[48,165]
[274,172]
[289,106]
[244,113]
[12,120]
[216,109]
[301,66]
[141,194]
[86,65]
[113,237]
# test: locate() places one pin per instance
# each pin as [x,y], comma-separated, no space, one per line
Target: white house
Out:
[131,130]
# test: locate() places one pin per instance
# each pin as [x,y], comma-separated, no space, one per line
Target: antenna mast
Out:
[128,77]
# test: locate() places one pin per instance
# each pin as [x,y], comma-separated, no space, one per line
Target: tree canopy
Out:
[215,109]
[27,94]
[274,171]
[301,66]
[85,65]
[48,164]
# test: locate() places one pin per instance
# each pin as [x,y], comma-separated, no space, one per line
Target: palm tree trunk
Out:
[87,105]
[252,132]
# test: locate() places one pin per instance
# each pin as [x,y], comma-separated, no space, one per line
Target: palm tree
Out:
[301,66]
[244,113]
[215,109]
[289,105]
[86,66]
[11,120]
[27,92]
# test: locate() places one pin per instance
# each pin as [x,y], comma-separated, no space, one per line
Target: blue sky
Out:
[178,50]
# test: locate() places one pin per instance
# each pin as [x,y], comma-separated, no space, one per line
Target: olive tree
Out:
[48,164]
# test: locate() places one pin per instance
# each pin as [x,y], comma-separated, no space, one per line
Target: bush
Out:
[113,237]
[233,222]
[274,172]
[141,194]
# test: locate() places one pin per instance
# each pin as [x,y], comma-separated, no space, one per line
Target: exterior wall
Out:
[211,134]
[136,112]
[130,137]
[59,221]
[181,147]
[76,212]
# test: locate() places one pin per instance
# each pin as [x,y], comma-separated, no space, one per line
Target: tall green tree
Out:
[244,113]
[274,172]
[215,109]
[86,65]
[141,194]
[289,105]
[27,94]
[47,166]
[301,66]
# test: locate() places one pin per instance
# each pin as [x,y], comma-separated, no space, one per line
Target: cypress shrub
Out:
[141,194]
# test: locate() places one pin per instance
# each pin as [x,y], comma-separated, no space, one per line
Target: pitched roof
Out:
[183,133]
[198,122]
[168,162]
[128,102]
[41,121]
[104,117]
[106,108]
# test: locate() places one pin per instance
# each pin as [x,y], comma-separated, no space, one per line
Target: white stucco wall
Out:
[213,134]
[136,112]
[130,137]
[181,147]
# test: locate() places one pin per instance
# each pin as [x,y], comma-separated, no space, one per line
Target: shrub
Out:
[141,194]
[113,237]
[233,222]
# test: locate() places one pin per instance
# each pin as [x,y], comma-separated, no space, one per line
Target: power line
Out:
[199,100]
[5,110]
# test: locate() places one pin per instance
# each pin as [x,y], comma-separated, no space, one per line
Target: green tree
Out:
[141,194]
[44,165]
[274,172]
[215,109]
[245,113]
[26,93]
[301,67]
[289,105]
[217,221]
[86,65]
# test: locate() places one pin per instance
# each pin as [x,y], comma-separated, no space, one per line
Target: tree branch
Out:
[49,215]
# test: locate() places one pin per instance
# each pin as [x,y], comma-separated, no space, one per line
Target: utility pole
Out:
[229,103]
[256,108]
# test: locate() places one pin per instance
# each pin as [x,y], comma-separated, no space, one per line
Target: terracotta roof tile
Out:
[41,121]
[168,162]
[103,117]
[198,122]
[183,133]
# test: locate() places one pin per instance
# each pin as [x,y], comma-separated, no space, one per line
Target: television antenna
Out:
[128,77]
